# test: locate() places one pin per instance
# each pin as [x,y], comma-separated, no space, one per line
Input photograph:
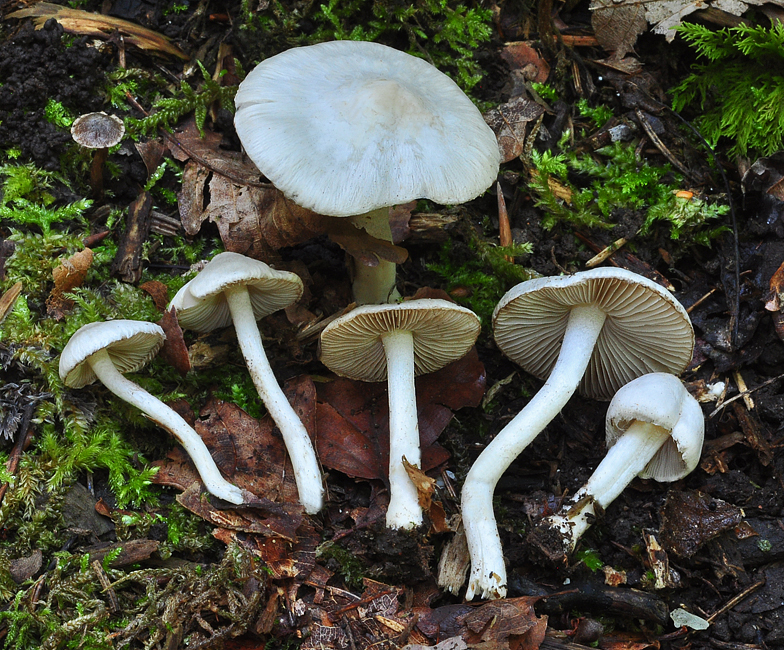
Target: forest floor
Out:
[99,550]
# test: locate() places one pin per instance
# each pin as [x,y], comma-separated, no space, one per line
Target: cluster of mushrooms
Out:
[409,132]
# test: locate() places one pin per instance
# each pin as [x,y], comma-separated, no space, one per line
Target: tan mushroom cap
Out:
[660,399]
[129,343]
[202,307]
[443,332]
[646,329]
[97,130]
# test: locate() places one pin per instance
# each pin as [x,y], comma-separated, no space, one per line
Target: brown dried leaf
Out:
[8,300]
[423,483]
[24,568]
[174,350]
[353,418]
[152,153]
[498,620]
[509,123]
[77,21]
[158,291]
[521,56]
[70,274]
[360,245]
[617,26]
[191,198]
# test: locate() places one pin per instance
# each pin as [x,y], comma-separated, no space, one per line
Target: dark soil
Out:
[741,468]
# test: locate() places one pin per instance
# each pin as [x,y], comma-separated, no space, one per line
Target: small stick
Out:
[660,145]
[504,229]
[701,300]
[605,253]
[744,390]
[736,599]
[114,603]
[741,395]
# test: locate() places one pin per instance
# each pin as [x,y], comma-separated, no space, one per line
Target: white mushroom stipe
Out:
[105,350]
[236,289]
[404,510]
[655,430]
[592,332]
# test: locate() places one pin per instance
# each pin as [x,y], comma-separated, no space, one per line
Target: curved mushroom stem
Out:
[624,460]
[488,573]
[404,510]
[169,419]
[303,457]
[374,285]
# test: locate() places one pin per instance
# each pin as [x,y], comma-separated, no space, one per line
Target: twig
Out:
[741,395]
[660,145]
[736,599]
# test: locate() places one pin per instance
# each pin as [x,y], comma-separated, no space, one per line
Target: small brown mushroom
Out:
[97,131]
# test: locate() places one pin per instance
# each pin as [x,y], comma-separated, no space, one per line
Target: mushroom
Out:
[398,342]
[104,351]
[97,131]
[233,288]
[595,330]
[654,429]
[350,128]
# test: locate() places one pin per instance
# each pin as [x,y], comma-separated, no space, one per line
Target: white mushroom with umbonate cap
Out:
[103,352]
[398,342]
[654,430]
[350,128]
[595,331]
[233,288]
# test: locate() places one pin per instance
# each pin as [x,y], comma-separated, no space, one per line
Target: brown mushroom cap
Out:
[129,343]
[202,307]
[443,332]
[97,130]
[646,329]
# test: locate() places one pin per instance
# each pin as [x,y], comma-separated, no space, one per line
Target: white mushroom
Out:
[595,330]
[103,352]
[397,342]
[350,128]
[236,289]
[654,430]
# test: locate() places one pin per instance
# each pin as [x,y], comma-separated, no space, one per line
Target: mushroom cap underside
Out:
[660,399]
[443,332]
[646,329]
[346,127]
[202,307]
[129,343]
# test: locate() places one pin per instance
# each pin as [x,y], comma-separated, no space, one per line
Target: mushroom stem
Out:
[488,573]
[404,510]
[96,171]
[374,285]
[169,419]
[624,460]
[300,448]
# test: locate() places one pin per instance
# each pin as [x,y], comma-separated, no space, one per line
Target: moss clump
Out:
[738,85]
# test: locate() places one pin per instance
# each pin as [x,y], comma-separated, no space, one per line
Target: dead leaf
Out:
[617,25]
[509,123]
[70,274]
[423,483]
[152,153]
[8,300]
[174,350]
[24,568]
[360,245]
[77,21]
[510,623]
[353,418]
[521,56]
[158,291]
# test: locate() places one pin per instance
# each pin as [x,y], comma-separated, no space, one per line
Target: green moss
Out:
[349,567]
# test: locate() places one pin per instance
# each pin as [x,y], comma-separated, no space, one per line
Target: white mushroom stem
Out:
[300,448]
[374,285]
[169,419]
[624,460]
[404,510]
[488,572]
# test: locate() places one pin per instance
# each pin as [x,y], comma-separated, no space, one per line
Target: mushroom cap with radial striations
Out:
[660,399]
[97,130]
[646,329]
[346,127]
[202,307]
[443,332]
[129,343]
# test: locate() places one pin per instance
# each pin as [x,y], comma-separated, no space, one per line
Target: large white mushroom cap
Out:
[347,127]
[646,329]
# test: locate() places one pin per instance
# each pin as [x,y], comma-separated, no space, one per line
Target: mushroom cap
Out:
[646,329]
[661,399]
[346,127]
[443,332]
[129,343]
[201,305]
[97,130]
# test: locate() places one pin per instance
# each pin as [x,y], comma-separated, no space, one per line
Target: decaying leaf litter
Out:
[705,550]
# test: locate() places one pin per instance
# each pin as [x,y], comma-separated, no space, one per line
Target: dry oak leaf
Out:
[70,274]
[251,454]
[353,418]
[510,623]
[617,25]
[509,123]
[174,350]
